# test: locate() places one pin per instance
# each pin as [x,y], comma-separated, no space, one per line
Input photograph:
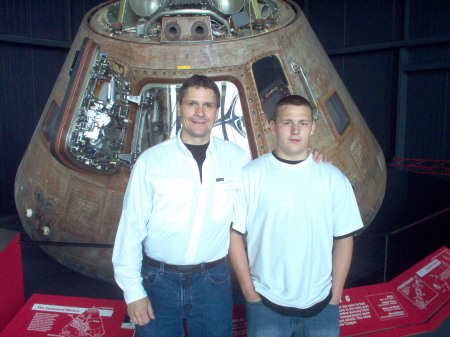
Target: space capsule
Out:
[116,96]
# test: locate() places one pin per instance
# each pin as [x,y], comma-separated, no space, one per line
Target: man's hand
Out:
[141,311]
[318,157]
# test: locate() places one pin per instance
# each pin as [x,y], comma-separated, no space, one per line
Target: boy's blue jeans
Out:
[264,322]
[203,299]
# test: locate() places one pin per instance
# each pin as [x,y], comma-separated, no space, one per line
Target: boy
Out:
[299,219]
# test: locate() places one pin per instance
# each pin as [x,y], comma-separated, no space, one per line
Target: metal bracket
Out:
[296,68]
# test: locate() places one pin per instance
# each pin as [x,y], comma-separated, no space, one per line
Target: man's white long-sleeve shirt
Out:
[177,218]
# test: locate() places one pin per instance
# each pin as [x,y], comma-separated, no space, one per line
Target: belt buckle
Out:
[188,268]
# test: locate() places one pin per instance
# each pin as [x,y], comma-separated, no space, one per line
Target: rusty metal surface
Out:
[84,207]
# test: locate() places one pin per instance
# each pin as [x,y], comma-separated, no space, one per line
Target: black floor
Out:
[413,222]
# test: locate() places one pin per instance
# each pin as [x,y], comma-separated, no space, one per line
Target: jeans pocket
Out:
[149,275]
[332,313]
[219,275]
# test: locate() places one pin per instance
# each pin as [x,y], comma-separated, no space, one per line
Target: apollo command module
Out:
[116,96]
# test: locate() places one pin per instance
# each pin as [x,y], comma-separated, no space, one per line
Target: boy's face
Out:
[292,129]
[197,113]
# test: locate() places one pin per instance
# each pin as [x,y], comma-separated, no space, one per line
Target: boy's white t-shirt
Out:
[291,213]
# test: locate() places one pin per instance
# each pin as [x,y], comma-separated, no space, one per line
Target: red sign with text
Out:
[419,296]
[48,315]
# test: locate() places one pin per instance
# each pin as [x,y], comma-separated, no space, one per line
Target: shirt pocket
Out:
[172,200]
[224,195]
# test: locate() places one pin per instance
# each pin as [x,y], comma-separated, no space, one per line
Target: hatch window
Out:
[50,127]
[156,118]
[91,129]
[88,131]
[271,83]
[338,114]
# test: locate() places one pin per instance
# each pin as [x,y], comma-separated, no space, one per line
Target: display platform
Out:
[415,301]
[12,295]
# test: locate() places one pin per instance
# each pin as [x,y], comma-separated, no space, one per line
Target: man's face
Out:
[292,130]
[197,113]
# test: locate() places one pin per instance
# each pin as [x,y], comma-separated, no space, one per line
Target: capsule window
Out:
[156,118]
[338,114]
[51,124]
[88,131]
[271,83]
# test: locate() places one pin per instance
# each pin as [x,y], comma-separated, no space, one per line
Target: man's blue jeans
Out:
[203,299]
[264,322]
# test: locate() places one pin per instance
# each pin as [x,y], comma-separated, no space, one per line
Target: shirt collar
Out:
[210,151]
[303,163]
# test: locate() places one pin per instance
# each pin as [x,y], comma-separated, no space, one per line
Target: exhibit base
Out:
[12,295]
[414,302]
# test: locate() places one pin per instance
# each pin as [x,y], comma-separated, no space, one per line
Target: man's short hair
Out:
[197,81]
[295,100]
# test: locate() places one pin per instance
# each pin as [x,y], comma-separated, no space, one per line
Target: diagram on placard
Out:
[418,292]
[439,283]
[437,273]
[87,324]
[428,282]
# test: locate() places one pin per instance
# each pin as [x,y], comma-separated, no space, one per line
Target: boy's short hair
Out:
[295,100]
[199,81]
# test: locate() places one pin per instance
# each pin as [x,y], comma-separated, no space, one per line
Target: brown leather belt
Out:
[189,268]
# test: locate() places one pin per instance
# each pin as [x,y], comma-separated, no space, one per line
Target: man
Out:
[299,218]
[175,225]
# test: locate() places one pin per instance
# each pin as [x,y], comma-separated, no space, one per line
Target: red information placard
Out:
[49,315]
[426,286]
[416,300]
